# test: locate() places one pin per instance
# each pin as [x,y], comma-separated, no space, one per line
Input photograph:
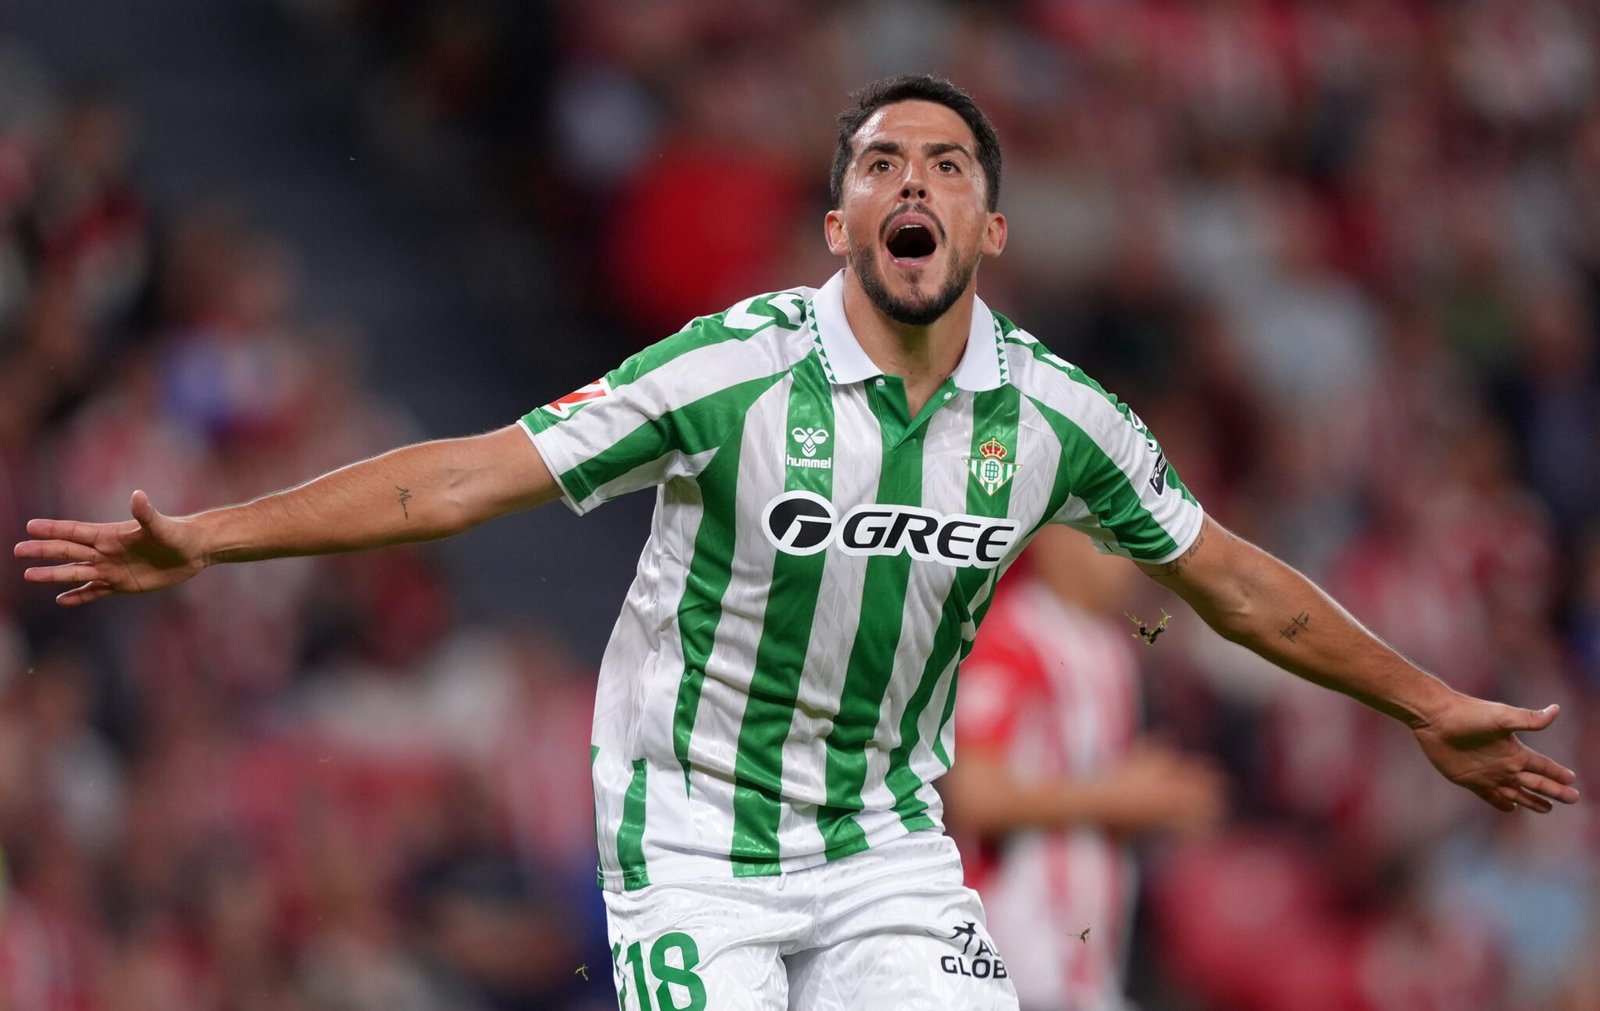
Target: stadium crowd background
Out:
[1343,256]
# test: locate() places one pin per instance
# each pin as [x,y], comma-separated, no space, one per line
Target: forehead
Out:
[914,123]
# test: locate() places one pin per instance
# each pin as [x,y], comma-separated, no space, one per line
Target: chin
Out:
[911,296]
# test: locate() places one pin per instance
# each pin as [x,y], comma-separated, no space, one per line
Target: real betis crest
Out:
[990,467]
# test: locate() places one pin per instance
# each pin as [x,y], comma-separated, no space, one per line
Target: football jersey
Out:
[778,689]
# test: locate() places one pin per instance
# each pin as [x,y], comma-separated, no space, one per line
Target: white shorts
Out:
[890,928]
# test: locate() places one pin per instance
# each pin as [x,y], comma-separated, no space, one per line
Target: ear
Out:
[834,230]
[994,235]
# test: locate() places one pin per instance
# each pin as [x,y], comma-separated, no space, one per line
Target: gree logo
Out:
[804,523]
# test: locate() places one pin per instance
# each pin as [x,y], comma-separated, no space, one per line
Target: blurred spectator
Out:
[1053,780]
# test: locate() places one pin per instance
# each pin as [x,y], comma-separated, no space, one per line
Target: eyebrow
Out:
[929,150]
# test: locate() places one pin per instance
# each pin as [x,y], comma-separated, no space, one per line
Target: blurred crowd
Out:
[1343,256]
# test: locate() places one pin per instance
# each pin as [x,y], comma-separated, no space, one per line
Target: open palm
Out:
[1474,744]
[149,552]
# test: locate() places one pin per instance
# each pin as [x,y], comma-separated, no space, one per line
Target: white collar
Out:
[845,362]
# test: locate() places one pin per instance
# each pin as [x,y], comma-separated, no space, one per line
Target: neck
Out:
[923,356]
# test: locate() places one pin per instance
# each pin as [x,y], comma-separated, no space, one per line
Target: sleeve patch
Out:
[567,405]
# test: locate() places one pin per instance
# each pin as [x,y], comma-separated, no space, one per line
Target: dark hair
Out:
[915,88]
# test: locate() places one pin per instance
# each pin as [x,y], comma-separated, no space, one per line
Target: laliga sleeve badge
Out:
[564,408]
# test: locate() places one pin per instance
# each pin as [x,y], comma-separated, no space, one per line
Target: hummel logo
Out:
[809,439]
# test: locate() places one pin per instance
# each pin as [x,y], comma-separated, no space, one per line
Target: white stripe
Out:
[1039,452]
[625,723]
[857,467]
[730,669]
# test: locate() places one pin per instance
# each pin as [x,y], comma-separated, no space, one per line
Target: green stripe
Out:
[710,572]
[871,662]
[630,835]
[702,332]
[692,428]
[1087,472]
[785,637]
[594,755]
[1043,354]
[706,331]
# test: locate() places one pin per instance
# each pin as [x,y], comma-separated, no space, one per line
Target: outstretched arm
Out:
[1252,598]
[416,493]
[1154,789]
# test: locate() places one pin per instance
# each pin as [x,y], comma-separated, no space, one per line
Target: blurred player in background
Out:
[1054,780]
[843,474]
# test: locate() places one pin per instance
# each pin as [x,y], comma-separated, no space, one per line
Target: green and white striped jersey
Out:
[778,689]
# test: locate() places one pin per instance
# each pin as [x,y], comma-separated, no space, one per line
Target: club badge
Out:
[990,468]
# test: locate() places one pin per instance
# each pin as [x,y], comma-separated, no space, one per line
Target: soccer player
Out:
[842,474]
[1054,781]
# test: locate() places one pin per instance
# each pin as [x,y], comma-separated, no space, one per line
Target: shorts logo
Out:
[983,963]
[563,408]
[804,523]
[809,439]
[989,466]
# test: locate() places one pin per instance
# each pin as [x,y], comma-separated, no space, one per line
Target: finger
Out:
[1533,802]
[1544,786]
[1543,766]
[64,530]
[1529,719]
[1503,797]
[72,572]
[147,514]
[87,593]
[55,551]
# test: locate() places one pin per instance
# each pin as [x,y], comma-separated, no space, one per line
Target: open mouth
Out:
[912,242]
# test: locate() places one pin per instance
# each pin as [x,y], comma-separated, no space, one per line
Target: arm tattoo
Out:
[1176,566]
[405,496]
[1296,626]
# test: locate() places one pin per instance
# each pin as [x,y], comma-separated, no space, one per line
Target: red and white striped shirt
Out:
[1052,691]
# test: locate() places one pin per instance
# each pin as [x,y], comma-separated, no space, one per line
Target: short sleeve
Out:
[663,411]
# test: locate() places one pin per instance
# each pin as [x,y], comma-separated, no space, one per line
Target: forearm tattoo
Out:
[1176,566]
[405,496]
[1296,626]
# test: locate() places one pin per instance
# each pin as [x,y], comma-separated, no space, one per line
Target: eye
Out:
[948,167]
[879,165]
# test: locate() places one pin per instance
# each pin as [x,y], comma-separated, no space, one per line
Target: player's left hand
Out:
[1473,743]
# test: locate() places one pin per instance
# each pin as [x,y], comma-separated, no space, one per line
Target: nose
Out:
[912,186]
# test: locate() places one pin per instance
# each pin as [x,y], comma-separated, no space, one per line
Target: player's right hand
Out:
[149,552]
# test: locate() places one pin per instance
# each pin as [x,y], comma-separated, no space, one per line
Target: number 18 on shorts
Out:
[892,928]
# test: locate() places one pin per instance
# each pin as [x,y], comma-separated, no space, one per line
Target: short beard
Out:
[906,312]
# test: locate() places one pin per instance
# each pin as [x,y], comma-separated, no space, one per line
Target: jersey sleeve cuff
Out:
[1183,539]
[552,460]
